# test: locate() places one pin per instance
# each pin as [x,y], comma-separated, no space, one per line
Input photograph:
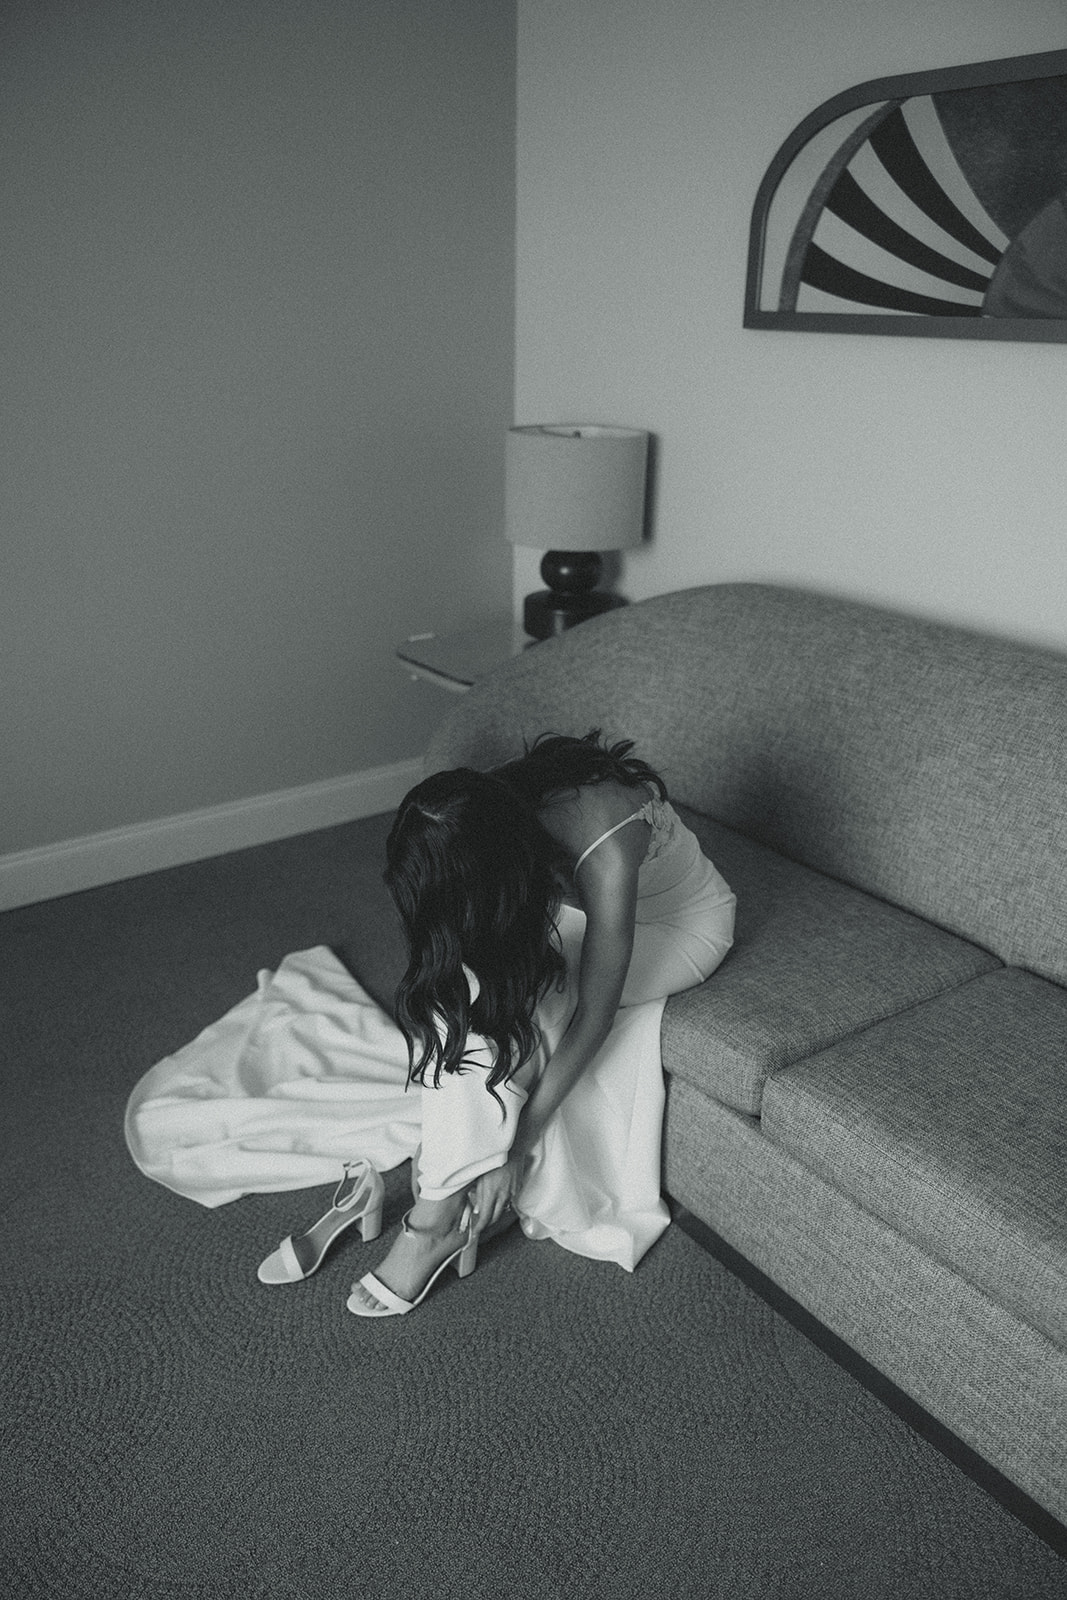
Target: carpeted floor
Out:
[550,1427]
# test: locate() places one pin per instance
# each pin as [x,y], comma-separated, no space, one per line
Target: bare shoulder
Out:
[576,820]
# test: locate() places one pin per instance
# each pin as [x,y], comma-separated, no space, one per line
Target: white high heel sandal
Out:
[464,1259]
[361,1203]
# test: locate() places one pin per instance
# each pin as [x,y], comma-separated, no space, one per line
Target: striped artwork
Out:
[934,212]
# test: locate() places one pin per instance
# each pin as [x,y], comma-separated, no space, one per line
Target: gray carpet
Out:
[549,1427]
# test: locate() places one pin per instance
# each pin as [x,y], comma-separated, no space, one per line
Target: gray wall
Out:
[257,285]
[925,474]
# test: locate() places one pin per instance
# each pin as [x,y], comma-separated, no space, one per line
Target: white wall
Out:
[926,474]
[257,282]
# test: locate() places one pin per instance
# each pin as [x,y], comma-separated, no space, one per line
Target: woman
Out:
[538,901]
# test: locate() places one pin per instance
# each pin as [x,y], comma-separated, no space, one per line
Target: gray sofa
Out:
[868,1100]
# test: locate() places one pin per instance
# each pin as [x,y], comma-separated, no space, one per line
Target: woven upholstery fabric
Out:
[917,761]
[988,1375]
[950,1124]
[813,962]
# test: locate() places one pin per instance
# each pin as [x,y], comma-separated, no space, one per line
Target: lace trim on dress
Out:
[662,818]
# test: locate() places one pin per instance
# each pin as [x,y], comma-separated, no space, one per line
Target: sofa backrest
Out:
[920,762]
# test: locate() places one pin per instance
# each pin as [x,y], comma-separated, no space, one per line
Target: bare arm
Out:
[607,890]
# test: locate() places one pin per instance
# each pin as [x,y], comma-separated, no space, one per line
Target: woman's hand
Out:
[495,1191]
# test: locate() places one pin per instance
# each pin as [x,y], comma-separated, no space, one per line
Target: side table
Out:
[457,660]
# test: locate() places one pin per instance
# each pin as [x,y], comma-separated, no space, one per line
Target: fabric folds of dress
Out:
[309,1072]
[301,1076]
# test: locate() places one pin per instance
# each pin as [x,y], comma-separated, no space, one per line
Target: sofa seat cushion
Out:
[949,1123]
[813,962]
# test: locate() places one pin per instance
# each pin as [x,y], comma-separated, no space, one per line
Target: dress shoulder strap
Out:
[638,816]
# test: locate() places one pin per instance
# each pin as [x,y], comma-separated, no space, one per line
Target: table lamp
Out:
[573,490]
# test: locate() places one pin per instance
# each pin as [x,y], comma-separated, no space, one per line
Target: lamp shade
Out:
[575,486]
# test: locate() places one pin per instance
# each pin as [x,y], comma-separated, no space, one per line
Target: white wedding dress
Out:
[309,1072]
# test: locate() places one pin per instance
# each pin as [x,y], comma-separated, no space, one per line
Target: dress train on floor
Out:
[309,1072]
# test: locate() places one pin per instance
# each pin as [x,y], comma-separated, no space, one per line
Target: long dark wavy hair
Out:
[475,879]
[557,763]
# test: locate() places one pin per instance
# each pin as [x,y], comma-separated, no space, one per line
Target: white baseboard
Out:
[86,863]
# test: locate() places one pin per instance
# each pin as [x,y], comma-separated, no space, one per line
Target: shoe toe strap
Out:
[288,1259]
[381,1291]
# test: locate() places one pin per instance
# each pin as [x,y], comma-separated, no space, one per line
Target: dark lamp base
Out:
[548,612]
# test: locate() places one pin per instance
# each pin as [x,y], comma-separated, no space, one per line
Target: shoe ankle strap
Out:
[462,1226]
[359,1174]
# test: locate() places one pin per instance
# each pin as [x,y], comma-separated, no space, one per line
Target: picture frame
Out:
[930,204]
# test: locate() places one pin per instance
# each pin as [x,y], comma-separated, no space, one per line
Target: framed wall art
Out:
[928,204]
